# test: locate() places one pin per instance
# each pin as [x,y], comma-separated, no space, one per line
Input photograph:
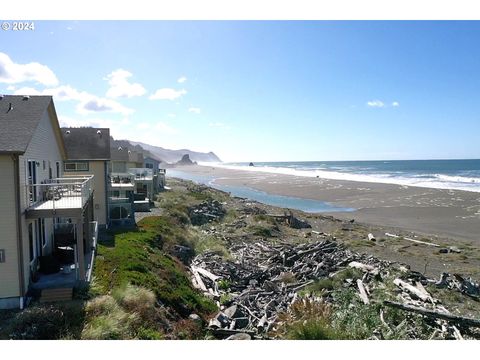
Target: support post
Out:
[80,248]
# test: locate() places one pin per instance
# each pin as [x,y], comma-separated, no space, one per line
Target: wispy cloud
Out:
[14,73]
[395,104]
[167,94]
[88,103]
[181,79]
[195,110]
[121,87]
[171,116]
[376,103]
[97,104]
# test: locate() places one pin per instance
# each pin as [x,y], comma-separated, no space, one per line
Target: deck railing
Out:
[68,192]
[141,173]
[121,178]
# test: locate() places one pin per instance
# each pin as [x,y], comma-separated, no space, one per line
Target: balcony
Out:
[122,182]
[59,197]
[141,174]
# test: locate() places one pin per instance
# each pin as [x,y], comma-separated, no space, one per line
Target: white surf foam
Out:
[435,181]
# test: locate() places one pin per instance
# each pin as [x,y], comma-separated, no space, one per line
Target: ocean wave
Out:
[435,181]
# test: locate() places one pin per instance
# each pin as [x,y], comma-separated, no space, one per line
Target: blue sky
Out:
[261,91]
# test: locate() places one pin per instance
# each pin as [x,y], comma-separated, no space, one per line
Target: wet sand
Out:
[435,212]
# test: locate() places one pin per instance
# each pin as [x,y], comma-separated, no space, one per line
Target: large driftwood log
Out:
[434,314]
[412,240]
[363,293]
[420,293]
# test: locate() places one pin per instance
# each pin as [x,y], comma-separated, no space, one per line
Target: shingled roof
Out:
[134,156]
[119,153]
[87,143]
[19,118]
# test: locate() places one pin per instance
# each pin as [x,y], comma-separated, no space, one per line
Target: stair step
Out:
[59,294]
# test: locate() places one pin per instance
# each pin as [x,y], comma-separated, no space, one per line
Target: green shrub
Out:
[312,330]
[136,299]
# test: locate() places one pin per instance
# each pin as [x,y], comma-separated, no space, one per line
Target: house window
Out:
[149,166]
[76,166]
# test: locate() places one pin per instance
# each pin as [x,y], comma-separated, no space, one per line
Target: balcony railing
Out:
[60,193]
[121,179]
[141,173]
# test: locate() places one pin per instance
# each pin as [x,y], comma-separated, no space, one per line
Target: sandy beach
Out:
[441,213]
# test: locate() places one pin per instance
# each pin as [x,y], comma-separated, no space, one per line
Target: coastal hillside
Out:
[172,156]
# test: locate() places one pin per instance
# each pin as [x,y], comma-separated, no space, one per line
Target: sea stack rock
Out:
[185,160]
[251,164]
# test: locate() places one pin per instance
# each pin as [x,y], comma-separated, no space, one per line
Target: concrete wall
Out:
[96,168]
[9,274]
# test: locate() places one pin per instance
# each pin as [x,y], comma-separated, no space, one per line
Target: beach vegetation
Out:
[259,230]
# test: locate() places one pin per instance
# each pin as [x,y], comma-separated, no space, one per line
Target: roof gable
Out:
[87,143]
[19,118]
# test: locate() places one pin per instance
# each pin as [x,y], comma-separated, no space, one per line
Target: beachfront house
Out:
[122,186]
[158,174]
[48,233]
[135,159]
[88,153]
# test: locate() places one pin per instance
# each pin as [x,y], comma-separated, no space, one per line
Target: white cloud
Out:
[95,104]
[181,79]
[395,104]
[88,103]
[375,103]
[60,93]
[10,88]
[120,87]
[194,110]
[167,94]
[171,115]
[13,73]
[27,91]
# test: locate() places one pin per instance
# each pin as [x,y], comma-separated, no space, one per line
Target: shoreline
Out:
[442,213]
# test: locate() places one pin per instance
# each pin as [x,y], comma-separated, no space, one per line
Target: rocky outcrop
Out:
[185,160]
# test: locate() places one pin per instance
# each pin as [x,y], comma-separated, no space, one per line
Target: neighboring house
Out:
[46,220]
[88,153]
[135,159]
[118,160]
[122,186]
[158,174]
[151,163]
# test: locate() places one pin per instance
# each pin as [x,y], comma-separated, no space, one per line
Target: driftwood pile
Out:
[206,212]
[263,279]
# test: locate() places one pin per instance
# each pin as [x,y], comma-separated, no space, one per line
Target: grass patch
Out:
[204,243]
[260,230]
[138,258]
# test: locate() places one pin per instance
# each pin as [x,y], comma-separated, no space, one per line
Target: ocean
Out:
[438,174]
